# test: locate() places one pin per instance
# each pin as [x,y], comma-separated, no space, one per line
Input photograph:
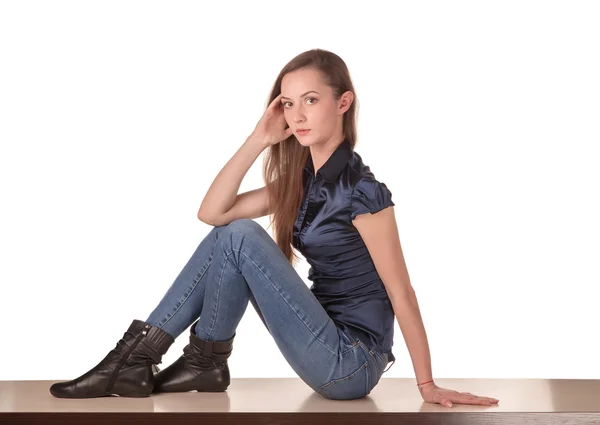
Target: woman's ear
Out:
[346,101]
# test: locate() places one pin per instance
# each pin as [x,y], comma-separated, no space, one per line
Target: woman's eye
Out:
[311,98]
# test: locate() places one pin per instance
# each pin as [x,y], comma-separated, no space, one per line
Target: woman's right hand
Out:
[271,128]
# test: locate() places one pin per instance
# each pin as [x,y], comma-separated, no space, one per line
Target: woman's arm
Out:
[380,234]
[223,191]
[406,309]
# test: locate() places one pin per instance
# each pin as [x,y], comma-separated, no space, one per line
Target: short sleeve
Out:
[370,196]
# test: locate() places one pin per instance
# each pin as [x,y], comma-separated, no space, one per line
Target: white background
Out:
[481,117]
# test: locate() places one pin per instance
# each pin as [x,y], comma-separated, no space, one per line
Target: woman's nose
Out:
[299,117]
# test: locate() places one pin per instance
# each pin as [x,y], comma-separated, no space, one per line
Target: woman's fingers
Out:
[275,102]
[491,399]
[471,400]
[468,398]
[480,400]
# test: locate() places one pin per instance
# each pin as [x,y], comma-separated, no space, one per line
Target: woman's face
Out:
[309,104]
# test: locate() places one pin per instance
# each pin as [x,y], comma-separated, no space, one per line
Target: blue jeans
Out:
[241,262]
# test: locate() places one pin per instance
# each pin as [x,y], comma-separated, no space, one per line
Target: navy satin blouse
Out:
[344,277]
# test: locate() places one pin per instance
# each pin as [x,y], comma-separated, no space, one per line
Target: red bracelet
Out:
[420,385]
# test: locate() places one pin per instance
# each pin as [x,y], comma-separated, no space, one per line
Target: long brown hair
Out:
[284,162]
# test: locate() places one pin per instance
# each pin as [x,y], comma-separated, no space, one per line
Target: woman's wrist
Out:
[257,140]
[426,384]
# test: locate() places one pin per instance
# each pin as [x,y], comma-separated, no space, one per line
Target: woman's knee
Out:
[243,225]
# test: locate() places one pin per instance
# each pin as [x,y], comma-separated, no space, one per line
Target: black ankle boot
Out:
[127,370]
[202,367]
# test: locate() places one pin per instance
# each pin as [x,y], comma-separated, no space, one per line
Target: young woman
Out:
[324,202]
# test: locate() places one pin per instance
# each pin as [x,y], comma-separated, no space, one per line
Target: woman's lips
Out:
[303,132]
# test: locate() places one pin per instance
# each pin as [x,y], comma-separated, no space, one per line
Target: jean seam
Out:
[353,348]
[368,352]
[364,365]
[382,357]
[375,358]
[276,290]
[215,311]
[203,270]
[368,385]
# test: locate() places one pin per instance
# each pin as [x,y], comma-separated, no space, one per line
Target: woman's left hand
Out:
[434,394]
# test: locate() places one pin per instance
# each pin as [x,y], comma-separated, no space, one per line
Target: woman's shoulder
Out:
[368,193]
[359,171]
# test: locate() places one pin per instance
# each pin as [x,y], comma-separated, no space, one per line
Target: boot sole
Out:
[133,395]
[216,390]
